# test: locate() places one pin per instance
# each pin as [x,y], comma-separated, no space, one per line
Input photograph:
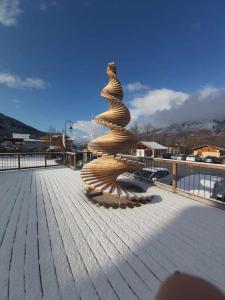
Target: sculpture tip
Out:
[112,66]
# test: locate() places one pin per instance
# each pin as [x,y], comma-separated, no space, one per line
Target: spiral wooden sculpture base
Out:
[101,174]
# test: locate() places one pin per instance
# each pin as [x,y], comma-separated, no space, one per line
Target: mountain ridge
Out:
[213,126]
[9,125]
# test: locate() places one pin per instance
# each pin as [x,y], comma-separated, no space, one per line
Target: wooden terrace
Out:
[56,244]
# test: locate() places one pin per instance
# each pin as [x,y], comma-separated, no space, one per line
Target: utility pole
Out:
[70,127]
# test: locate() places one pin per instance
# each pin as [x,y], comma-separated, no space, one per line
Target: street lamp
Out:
[70,128]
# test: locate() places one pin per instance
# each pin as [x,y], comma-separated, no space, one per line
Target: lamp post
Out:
[70,127]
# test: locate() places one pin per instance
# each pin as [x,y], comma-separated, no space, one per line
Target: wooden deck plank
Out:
[101,285]
[109,236]
[191,235]
[62,266]
[76,265]
[8,200]
[108,219]
[33,281]
[17,270]
[4,179]
[97,255]
[8,239]
[50,283]
[200,262]
[56,244]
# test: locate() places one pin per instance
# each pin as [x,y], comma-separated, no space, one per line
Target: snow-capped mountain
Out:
[213,126]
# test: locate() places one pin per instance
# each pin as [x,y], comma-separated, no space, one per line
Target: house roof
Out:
[20,136]
[211,146]
[33,140]
[153,145]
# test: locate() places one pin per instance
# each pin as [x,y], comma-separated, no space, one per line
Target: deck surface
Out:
[56,244]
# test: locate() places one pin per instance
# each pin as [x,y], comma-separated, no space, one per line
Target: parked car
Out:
[59,159]
[181,157]
[79,164]
[148,175]
[212,160]
[196,158]
[166,155]
[219,190]
[204,185]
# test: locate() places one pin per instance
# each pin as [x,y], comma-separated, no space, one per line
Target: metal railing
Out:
[12,161]
[200,181]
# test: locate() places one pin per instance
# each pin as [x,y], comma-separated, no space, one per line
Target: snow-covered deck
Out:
[56,244]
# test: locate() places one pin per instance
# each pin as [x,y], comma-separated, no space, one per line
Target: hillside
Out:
[189,134]
[213,126]
[10,125]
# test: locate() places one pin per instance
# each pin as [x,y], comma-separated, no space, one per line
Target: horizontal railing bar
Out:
[31,153]
[194,164]
[171,161]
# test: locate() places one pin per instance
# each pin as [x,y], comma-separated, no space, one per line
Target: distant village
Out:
[56,142]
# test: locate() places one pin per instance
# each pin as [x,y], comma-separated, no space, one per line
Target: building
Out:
[32,143]
[176,149]
[54,141]
[20,136]
[208,150]
[6,145]
[18,139]
[20,142]
[150,149]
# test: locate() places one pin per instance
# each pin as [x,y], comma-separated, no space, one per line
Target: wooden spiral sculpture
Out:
[101,174]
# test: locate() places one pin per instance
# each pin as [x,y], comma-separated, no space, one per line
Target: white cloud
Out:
[156,100]
[9,11]
[163,107]
[208,91]
[15,81]
[135,86]
[89,127]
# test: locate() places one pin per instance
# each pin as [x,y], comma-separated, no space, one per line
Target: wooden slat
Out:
[33,280]
[8,237]
[50,283]
[74,260]
[56,244]
[17,270]
[62,265]
[102,256]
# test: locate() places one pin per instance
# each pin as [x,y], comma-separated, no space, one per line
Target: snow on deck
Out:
[56,244]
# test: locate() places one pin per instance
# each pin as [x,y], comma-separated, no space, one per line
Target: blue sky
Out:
[53,56]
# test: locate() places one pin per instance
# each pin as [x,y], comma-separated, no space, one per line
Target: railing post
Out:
[45,160]
[64,158]
[174,176]
[18,161]
[74,161]
[84,156]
